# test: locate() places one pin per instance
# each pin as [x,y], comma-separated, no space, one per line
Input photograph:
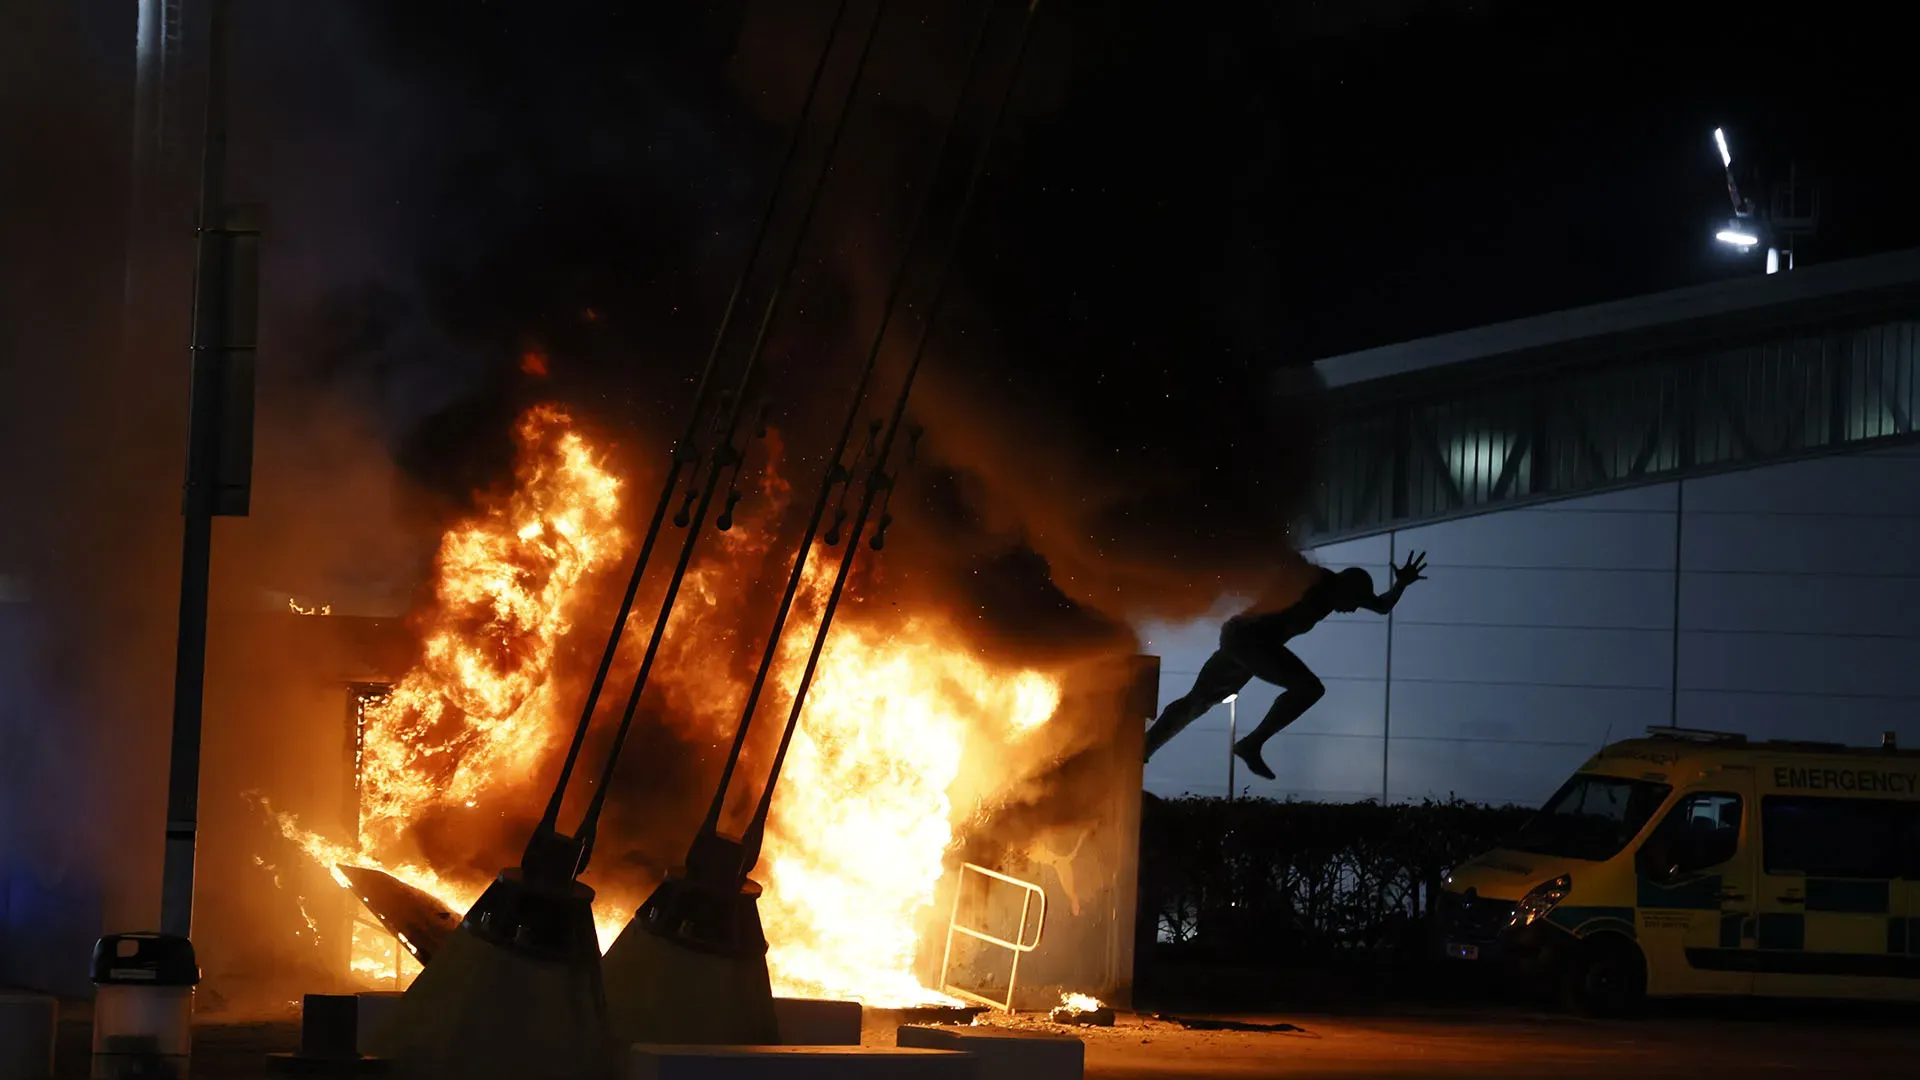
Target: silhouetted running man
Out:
[1253,645]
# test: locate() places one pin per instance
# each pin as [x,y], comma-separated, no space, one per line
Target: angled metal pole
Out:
[838,473]
[877,479]
[684,451]
[725,456]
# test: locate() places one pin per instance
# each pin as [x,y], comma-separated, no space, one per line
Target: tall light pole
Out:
[219,460]
[1233,724]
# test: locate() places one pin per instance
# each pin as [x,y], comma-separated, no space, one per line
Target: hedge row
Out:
[1254,881]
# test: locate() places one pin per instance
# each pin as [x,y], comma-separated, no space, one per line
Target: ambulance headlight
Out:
[1541,899]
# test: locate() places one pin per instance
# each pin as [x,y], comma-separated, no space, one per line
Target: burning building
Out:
[947,822]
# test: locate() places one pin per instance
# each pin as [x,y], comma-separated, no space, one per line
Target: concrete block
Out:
[373,1009]
[815,1022]
[1004,1053]
[27,1023]
[650,1062]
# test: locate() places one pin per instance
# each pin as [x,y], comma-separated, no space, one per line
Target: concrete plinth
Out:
[816,1022]
[1004,1053]
[483,1011]
[27,1023]
[799,1063]
[374,1008]
[664,993]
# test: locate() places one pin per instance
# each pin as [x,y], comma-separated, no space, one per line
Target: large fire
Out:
[862,819]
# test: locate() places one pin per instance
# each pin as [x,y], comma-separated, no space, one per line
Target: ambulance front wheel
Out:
[1604,976]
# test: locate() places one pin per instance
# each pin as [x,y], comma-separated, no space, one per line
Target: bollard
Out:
[142,1006]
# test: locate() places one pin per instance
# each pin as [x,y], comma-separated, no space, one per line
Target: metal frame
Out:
[1019,946]
[1426,449]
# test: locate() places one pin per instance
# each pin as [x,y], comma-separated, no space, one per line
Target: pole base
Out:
[516,991]
[691,969]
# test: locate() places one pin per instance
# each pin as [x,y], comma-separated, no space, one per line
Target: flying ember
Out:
[863,818]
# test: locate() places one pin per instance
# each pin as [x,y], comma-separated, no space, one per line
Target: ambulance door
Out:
[1694,890]
[1831,893]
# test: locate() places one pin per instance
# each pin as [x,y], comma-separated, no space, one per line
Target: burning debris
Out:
[417,919]
[1082,1010]
[865,816]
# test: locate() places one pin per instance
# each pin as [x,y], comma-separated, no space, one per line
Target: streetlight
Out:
[1745,230]
[1233,723]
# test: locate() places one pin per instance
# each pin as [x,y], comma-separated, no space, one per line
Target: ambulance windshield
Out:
[1591,817]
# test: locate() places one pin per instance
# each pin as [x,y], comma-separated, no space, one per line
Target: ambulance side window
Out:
[1839,838]
[1700,831]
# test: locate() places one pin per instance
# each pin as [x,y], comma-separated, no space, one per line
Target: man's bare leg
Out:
[1219,678]
[1300,690]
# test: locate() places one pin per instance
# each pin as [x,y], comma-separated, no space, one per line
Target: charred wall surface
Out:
[1078,839]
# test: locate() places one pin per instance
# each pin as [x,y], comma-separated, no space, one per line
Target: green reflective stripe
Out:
[1852,897]
[1783,931]
[1699,894]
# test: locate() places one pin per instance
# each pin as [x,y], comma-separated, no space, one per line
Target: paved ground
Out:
[1732,1043]
[1502,1043]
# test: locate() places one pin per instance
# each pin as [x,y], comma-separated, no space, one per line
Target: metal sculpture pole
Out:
[838,473]
[691,966]
[726,457]
[878,481]
[546,849]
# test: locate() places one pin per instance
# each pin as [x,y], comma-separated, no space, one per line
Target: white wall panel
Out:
[1524,773]
[1769,542]
[1855,484]
[1532,656]
[1801,604]
[1557,539]
[1503,596]
[1576,716]
[1801,664]
[1545,631]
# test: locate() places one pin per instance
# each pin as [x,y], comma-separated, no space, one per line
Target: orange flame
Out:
[863,817]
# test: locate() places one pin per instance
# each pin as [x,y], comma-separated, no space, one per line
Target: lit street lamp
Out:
[1749,225]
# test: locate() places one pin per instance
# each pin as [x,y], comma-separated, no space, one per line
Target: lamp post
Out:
[1233,724]
[1792,211]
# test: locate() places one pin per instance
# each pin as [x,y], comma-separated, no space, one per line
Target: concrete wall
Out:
[1544,632]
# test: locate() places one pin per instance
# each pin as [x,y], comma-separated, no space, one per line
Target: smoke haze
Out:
[438,215]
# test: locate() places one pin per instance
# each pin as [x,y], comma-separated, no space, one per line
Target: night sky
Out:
[1183,202]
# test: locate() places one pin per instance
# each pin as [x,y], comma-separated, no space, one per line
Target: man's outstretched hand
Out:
[1411,572]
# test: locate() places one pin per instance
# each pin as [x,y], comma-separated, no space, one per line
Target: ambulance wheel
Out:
[1605,976]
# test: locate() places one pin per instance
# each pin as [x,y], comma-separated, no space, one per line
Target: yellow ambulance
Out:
[1702,863]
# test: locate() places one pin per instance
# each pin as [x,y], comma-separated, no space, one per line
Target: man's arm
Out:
[1403,576]
[1383,602]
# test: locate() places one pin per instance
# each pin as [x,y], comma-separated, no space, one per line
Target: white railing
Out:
[1019,946]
